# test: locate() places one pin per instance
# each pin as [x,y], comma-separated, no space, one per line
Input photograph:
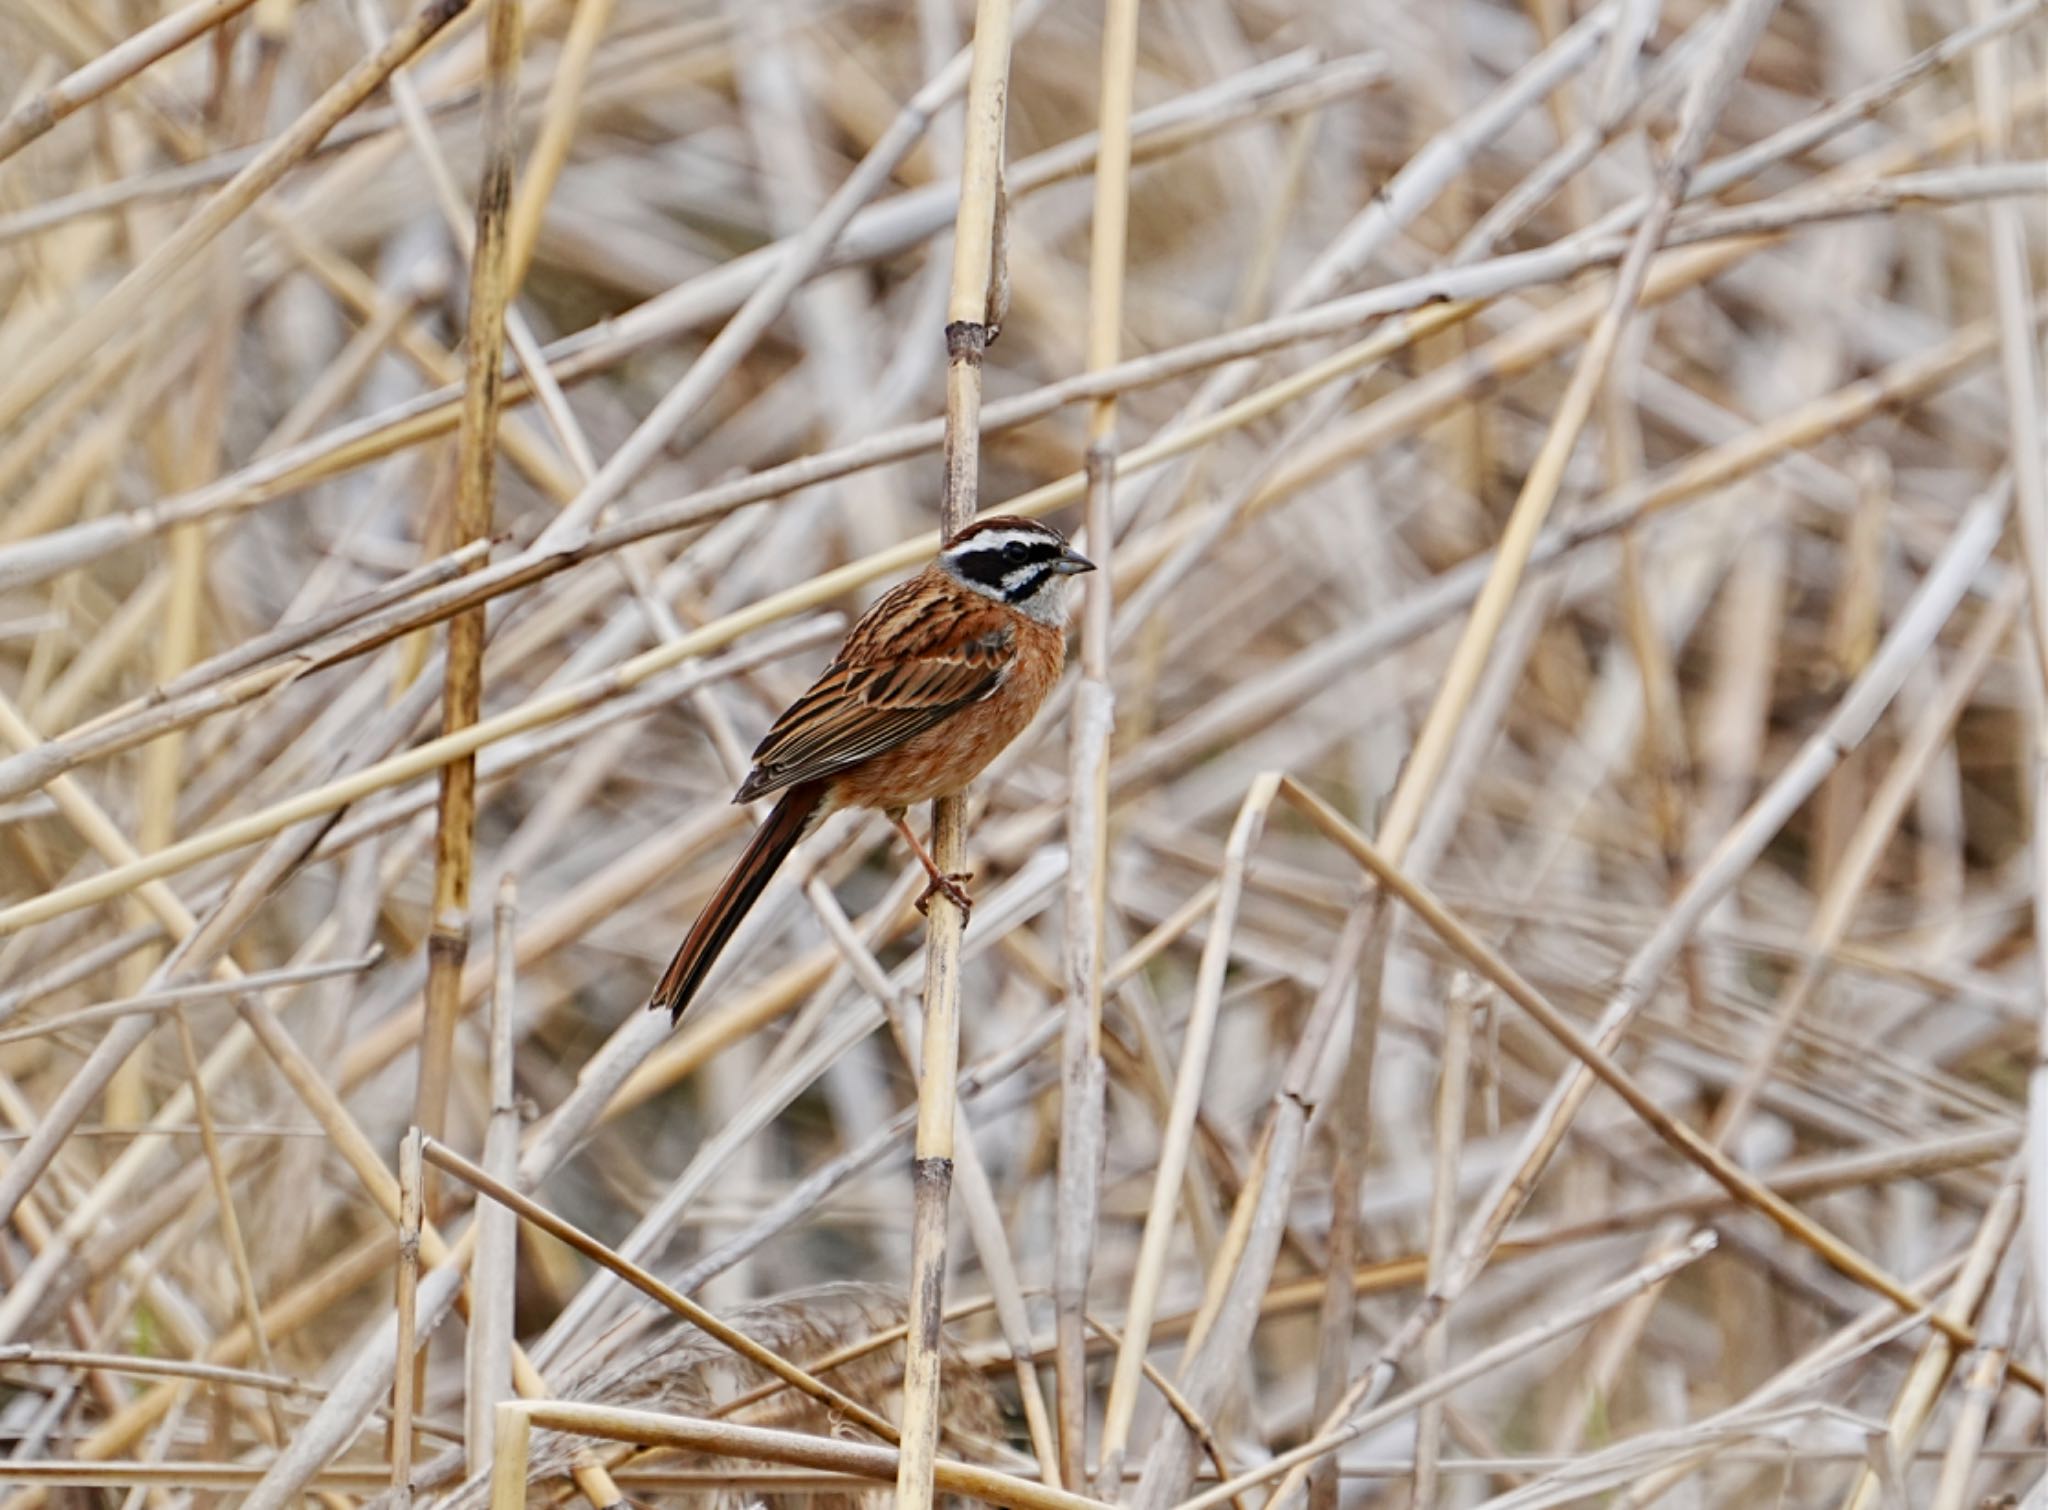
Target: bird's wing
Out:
[909,664]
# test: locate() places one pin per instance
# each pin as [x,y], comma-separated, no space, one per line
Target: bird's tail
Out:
[742,887]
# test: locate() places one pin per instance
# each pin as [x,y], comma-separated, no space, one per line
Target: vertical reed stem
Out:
[497,1254]
[511,1445]
[1081,1068]
[462,698]
[404,1376]
[969,321]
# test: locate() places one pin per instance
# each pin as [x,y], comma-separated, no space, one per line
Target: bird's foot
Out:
[951,885]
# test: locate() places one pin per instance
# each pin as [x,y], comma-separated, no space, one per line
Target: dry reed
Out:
[1553,760]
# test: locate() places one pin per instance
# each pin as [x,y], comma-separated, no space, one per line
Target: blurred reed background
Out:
[1575,635]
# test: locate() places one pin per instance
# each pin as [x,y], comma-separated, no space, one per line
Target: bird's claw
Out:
[953,887]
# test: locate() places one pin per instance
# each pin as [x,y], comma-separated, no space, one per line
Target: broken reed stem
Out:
[494,1275]
[1453,1091]
[1178,1133]
[970,322]
[1182,1408]
[405,1376]
[1351,1114]
[475,482]
[511,1450]
[1082,1074]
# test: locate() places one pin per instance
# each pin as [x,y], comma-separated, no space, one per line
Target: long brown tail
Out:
[736,895]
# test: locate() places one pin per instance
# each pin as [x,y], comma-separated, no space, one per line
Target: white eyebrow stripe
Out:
[995,540]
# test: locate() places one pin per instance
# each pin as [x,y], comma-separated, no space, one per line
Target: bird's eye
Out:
[1016,550]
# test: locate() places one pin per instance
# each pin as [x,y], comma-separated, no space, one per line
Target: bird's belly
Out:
[941,760]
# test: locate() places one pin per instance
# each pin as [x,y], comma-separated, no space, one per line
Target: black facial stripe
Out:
[1023,590]
[985,567]
[989,565]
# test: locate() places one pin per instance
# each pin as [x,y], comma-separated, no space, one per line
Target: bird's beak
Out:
[1072,563]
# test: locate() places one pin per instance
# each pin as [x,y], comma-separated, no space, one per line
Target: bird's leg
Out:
[951,885]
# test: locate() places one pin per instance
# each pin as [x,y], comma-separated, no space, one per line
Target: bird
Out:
[929,686]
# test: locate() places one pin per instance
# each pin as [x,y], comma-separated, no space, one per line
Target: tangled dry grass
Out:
[1509,976]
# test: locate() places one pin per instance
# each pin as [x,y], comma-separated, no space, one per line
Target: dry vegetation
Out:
[1531,1001]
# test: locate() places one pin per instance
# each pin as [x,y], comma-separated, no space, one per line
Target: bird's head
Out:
[1016,561]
